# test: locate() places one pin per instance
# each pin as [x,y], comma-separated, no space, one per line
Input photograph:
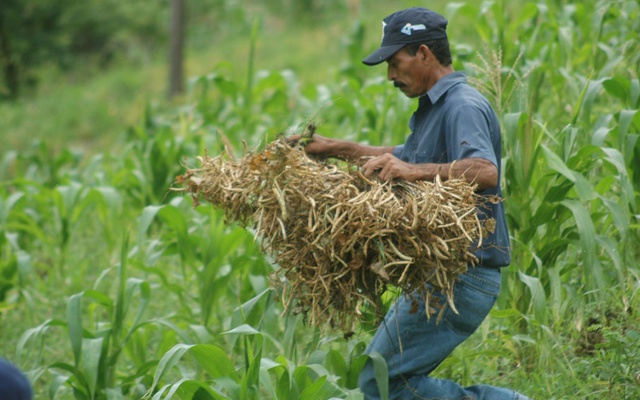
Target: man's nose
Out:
[391,74]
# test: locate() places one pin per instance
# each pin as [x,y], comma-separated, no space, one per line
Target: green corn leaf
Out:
[114,394]
[214,360]
[159,393]
[625,121]
[74,325]
[266,383]
[355,367]
[619,215]
[290,342]
[505,313]
[337,363]
[635,93]
[381,374]
[146,218]
[168,361]
[616,158]
[9,158]
[611,248]
[57,383]
[357,360]
[555,162]
[555,290]
[550,252]
[33,334]
[284,388]
[320,389]
[538,297]
[584,159]
[90,362]
[202,333]
[251,311]
[243,329]
[523,338]
[269,364]
[583,93]
[23,261]
[290,371]
[318,369]
[176,220]
[112,198]
[452,9]
[7,205]
[251,379]
[182,334]
[144,289]
[583,187]
[121,300]
[77,380]
[301,378]
[618,86]
[587,233]
[188,389]
[99,298]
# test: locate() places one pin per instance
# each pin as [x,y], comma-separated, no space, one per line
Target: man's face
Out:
[409,73]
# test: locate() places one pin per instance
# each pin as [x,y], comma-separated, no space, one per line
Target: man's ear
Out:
[424,52]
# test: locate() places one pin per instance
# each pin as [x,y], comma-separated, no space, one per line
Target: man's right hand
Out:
[318,145]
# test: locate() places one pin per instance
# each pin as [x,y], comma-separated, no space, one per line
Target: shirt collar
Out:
[444,84]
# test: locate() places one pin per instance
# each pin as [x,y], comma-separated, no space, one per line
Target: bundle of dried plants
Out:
[339,238]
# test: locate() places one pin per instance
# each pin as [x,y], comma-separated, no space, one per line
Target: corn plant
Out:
[15,263]
[324,376]
[99,342]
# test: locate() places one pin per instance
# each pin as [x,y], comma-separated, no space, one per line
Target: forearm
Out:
[474,170]
[345,150]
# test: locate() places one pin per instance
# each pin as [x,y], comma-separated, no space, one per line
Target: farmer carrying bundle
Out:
[455,143]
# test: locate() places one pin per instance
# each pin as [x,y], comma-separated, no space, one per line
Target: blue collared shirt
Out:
[454,121]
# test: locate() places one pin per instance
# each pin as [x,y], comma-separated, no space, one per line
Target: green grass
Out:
[117,286]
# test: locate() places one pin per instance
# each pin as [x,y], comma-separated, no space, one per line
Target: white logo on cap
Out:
[383,25]
[408,28]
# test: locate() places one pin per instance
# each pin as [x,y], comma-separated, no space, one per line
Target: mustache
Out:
[398,84]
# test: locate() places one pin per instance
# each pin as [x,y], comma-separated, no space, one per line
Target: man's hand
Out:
[320,146]
[317,145]
[389,167]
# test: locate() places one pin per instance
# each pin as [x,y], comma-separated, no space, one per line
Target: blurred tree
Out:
[309,12]
[26,39]
[176,46]
[62,32]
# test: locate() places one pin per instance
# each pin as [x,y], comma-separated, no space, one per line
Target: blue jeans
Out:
[413,346]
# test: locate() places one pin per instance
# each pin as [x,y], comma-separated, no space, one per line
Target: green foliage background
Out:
[112,286]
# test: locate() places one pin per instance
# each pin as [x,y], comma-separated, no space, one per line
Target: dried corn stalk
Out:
[338,237]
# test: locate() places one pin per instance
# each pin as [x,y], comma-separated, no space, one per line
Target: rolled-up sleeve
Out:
[397,151]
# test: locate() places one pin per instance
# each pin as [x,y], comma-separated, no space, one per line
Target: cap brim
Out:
[382,54]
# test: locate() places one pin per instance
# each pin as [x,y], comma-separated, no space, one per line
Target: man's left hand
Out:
[389,167]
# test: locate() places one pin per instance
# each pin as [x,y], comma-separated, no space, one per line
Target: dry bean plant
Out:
[339,238]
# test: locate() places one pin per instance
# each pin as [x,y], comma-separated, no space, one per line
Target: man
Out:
[454,133]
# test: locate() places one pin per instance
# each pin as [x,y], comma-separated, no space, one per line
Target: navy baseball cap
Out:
[413,25]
